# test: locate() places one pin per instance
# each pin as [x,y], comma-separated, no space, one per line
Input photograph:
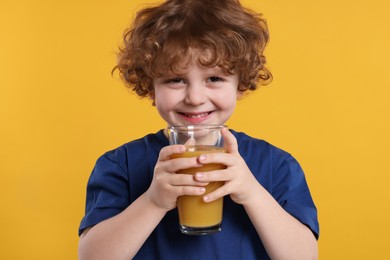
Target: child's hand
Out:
[167,185]
[239,180]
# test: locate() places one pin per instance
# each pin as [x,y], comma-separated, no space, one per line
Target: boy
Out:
[194,58]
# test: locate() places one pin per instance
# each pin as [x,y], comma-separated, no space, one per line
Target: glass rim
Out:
[196,127]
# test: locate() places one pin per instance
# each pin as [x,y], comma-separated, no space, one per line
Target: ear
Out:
[240,93]
[152,97]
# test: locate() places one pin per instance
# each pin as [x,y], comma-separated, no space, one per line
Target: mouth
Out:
[196,115]
[195,118]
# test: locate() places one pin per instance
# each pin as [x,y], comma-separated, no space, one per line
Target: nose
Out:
[196,94]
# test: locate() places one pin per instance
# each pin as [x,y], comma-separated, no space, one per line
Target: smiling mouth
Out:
[197,115]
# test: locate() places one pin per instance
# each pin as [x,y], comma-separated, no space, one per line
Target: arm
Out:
[283,236]
[121,236]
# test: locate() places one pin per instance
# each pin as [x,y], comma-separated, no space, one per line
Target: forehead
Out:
[179,61]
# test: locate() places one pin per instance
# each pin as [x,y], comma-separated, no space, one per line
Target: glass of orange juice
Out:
[197,217]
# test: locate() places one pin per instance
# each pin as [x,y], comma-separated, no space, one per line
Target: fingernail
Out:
[202,157]
[206,198]
[199,175]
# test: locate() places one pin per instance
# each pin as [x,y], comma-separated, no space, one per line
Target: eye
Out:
[175,80]
[215,79]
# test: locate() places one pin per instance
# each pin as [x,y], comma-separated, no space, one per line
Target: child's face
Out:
[200,95]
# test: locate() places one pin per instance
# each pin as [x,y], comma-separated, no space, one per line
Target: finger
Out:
[230,142]
[212,176]
[185,180]
[218,193]
[226,159]
[167,151]
[177,164]
[189,190]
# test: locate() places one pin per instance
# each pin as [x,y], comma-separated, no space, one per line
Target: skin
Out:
[199,95]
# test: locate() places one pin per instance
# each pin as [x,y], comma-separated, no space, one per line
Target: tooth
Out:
[196,116]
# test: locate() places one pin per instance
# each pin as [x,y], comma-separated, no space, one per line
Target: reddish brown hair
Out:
[161,37]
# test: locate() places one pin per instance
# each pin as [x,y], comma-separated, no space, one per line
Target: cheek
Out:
[163,109]
[164,101]
[161,105]
[227,100]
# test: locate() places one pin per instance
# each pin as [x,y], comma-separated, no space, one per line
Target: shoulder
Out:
[254,147]
[136,150]
[265,160]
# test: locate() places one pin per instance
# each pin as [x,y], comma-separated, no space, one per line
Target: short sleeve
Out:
[107,192]
[293,194]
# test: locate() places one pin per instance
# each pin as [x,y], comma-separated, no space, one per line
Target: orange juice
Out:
[193,211]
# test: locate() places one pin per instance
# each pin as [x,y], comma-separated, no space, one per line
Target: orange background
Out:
[60,109]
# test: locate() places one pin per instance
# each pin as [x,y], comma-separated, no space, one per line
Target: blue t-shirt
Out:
[122,175]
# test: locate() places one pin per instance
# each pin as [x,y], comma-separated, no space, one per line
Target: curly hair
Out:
[224,33]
